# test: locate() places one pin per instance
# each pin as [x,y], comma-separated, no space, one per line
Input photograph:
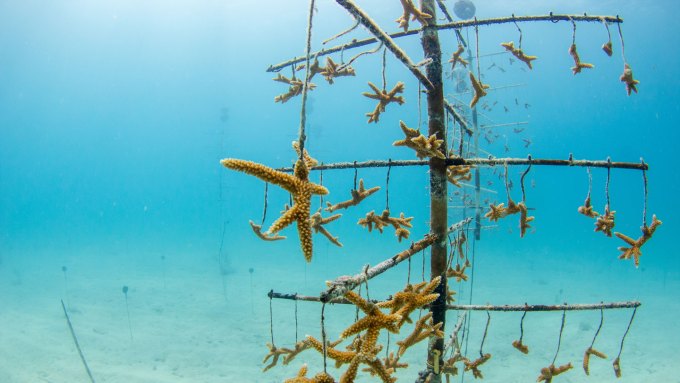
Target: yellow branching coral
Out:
[474,365]
[578,65]
[495,212]
[374,320]
[422,330]
[301,377]
[292,353]
[274,354]
[333,70]
[384,219]
[617,367]
[424,146]
[524,219]
[586,358]
[521,347]
[458,272]
[587,209]
[547,373]
[521,56]
[411,298]
[358,195]
[384,97]
[317,223]
[635,245]
[295,88]
[608,48]
[449,368]
[298,185]
[340,357]
[411,11]
[605,222]
[456,57]
[257,229]
[457,173]
[478,88]
[370,220]
[627,78]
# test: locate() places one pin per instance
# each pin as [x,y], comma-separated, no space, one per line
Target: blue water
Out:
[113,119]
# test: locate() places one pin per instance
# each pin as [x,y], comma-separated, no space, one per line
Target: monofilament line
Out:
[559,340]
[303,112]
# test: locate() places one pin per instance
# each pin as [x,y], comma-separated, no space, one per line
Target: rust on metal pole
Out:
[438,183]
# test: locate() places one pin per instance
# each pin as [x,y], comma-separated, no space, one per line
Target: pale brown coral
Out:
[578,65]
[479,90]
[384,219]
[635,245]
[547,373]
[495,212]
[608,48]
[424,146]
[586,358]
[517,52]
[298,185]
[370,220]
[357,196]
[274,354]
[521,347]
[257,229]
[587,209]
[411,11]
[317,222]
[617,367]
[605,222]
[457,173]
[332,70]
[301,377]
[292,353]
[627,78]
[456,57]
[458,272]
[384,97]
[411,298]
[524,219]
[474,365]
[422,330]
[294,89]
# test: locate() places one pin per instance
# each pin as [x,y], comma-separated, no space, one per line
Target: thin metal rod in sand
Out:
[341,285]
[75,340]
[482,162]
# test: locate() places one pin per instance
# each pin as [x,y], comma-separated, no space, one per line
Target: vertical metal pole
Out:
[438,182]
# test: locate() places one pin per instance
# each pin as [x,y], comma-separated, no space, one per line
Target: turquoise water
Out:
[113,119]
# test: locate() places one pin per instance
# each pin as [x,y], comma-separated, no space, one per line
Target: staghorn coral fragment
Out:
[474,365]
[411,11]
[317,223]
[456,57]
[605,222]
[370,220]
[292,353]
[495,212]
[422,330]
[627,78]
[332,70]
[458,272]
[340,357]
[608,48]
[424,146]
[295,88]
[521,56]
[298,185]
[524,219]
[384,97]
[478,88]
[521,347]
[301,377]
[457,173]
[411,298]
[357,196]
[635,245]
[547,373]
[586,358]
[578,65]
[274,354]
[257,229]
[587,209]
[617,367]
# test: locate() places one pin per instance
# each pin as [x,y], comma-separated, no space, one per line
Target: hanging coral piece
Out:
[517,52]
[295,88]
[383,98]
[385,219]
[608,48]
[425,147]
[301,377]
[318,223]
[635,245]
[627,78]
[605,222]
[357,196]
[587,209]
[547,373]
[586,358]
[411,11]
[456,57]
[474,365]
[578,65]
[457,173]
[478,88]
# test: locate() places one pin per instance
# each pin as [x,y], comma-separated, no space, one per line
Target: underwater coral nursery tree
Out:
[448,258]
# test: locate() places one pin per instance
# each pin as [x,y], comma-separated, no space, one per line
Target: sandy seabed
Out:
[190,323]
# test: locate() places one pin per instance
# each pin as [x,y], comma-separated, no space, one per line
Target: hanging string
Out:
[303,112]
[384,65]
[423,270]
[521,326]
[519,29]
[387,349]
[321,184]
[296,318]
[598,327]
[366,267]
[507,182]
[271,316]
[479,72]
[606,186]
[559,340]
[348,63]
[573,33]
[590,181]
[346,31]
[408,277]
[387,184]
[521,180]
[644,206]
[623,47]
[420,109]
[486,330]
[323,335]
[356,171]
[626,333]
[356,308]
[264,211]
[609,33]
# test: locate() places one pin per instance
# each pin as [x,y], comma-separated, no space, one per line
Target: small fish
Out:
[496,102]
[507,148]
[527,142]
[489,183]
[492,66]
[506,109]
[516,102]
[510,184]
[527,105]
[512,61]
[518,130]
[501,69]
